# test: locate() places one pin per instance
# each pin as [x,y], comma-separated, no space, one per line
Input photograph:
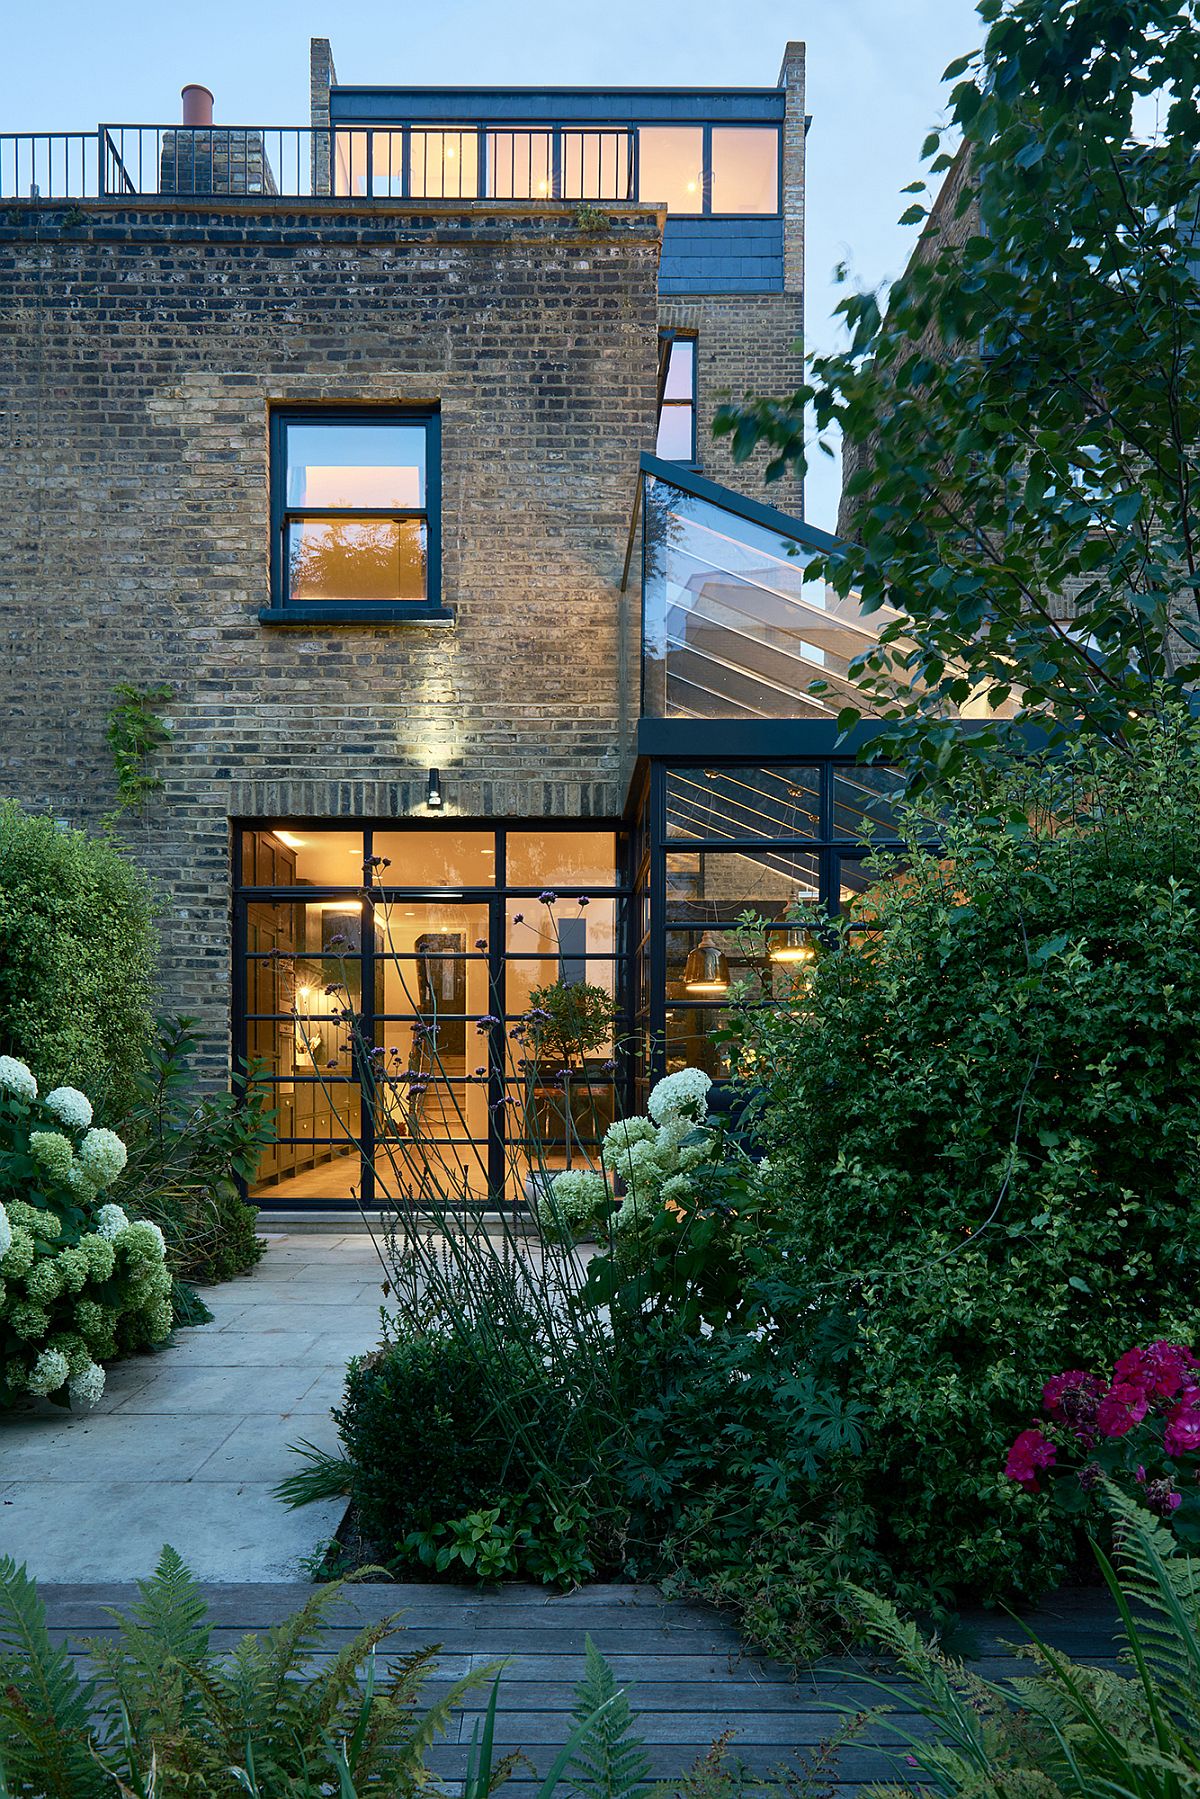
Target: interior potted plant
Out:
[565,1023]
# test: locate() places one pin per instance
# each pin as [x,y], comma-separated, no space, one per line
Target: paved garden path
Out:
[186,1445]
[688,1675]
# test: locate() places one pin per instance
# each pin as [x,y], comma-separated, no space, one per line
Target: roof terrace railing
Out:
[299,162]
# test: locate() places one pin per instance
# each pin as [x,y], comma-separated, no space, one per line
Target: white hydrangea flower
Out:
[49,1372]
[102,1155]
[575,1196]
[641,1168]
[70,1107]
[110,1221]
[16,1078]
[53,1154]
[86,1387]
[5,1233]
[681,1094]
[148,1224]
[622,1134]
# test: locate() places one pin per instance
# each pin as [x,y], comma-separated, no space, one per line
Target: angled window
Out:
[676,440]
[355,525]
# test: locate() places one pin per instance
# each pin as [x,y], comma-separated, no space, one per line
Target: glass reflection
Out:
[671,166]
[351,561]
[745,169]
[717,886]
[744,802]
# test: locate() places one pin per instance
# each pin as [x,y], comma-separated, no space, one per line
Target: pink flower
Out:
[1030,1452]
[1072,1398]
[1161,1368]
[1182,1435]
[1123,1406]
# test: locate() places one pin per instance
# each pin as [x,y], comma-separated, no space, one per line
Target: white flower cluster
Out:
[681,1095]
[16,1078]
[652,1156]
[573,1203]
[5,1233]
[110,1220]
[70,1107]
[49,1373]
[86,1387]
[102,1155]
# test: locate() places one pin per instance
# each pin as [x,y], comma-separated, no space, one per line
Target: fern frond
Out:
[1165,1584]
[610,1761]
[45,1709]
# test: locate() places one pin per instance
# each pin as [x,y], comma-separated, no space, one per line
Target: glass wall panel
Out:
[351,160]
[293,856]
[387,164]
[744,802]
[745,169]
[565,931]
[717,886]
[445,858]
[520,165]
[865,797]
[671,166]
[443,164]
[549,860]
[596,165]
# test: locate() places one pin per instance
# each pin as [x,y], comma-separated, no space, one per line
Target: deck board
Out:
[689,1675]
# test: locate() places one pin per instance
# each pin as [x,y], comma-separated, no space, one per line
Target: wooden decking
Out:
[688,1675]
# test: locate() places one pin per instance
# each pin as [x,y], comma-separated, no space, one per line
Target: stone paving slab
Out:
[186,1445]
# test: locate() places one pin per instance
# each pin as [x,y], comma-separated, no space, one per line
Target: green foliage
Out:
[610,1762]
[1023,411]
[982,1141]
[566,1019]
[186,1153]
[166,1714]
[133,733]
[1066,1732]
[77,957]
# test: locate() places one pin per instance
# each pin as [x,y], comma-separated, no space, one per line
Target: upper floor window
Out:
[676,440]
[671,166]
[745,168]
[355,528]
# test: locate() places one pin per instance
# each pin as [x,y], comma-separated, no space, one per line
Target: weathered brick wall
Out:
[140,348]
[746,344]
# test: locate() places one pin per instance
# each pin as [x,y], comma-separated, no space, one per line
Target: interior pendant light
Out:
[798,944]
[706,969]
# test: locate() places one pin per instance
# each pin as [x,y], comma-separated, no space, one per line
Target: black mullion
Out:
[657,983]
[497,1125]
[367,1002]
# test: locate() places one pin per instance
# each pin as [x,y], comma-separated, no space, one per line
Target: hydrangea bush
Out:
[1139,1427]
[80,1283]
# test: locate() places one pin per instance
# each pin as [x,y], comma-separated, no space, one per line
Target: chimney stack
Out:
[197,106]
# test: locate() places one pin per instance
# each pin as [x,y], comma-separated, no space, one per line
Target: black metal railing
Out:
[426,162]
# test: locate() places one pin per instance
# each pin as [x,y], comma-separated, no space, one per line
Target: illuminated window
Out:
[671,166]
[676,440]
[520,165]
[443,165]
[745,165]
[355,526]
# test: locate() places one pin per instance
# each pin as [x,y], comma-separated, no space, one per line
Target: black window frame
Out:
[669,337]
[430,610]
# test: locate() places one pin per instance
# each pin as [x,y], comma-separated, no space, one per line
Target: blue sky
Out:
[874,87]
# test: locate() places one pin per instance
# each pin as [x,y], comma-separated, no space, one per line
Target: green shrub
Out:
[186,1154]
[983,1140]
[80,1283]
[77,957]
[421,1431]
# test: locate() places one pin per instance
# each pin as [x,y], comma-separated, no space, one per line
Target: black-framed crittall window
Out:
[676,440]
[355,515]
[438,956]
[786,841]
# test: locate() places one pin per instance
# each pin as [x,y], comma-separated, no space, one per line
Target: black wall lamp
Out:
[433,799]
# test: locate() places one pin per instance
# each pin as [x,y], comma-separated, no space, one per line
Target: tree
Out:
[1025,411]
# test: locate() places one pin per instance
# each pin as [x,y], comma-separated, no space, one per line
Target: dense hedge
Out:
[77,957]
[984,1143]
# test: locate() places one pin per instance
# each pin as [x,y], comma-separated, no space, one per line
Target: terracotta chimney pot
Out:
[197,105]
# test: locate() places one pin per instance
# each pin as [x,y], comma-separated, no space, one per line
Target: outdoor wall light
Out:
[433,799]
[706,969]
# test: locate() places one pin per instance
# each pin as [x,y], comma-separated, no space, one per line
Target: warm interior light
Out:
[706,969]
[361,485]
[796,945]
[449,152]
[346,905]
[293,843]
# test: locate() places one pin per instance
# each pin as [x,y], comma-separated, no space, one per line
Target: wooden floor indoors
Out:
[688,1676]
